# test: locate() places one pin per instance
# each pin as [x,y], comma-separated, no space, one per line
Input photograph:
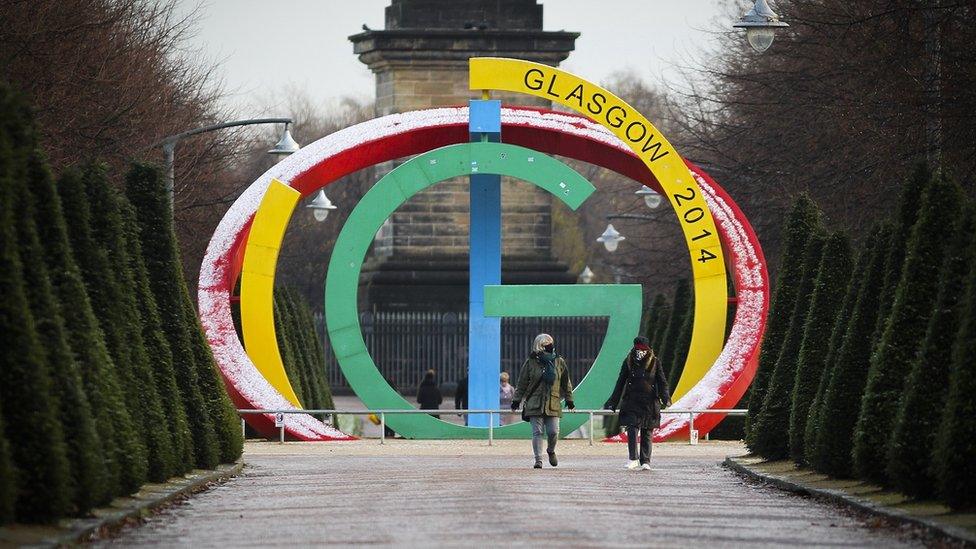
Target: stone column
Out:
[420,260]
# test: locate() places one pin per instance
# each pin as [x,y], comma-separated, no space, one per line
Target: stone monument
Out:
[420,258]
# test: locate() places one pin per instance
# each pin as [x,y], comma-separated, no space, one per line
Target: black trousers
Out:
[645,443]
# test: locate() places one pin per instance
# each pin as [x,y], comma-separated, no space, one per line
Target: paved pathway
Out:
[442,493]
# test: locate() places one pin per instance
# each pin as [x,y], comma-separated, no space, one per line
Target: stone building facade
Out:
[420,258]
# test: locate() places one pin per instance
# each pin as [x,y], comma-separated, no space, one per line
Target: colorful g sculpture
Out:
[248,237]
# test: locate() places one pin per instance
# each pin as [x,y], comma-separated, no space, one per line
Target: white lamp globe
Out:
[321,206]
[610,238]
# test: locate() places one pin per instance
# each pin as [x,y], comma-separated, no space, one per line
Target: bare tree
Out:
[838,107]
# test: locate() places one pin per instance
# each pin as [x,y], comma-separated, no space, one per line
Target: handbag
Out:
[528,394]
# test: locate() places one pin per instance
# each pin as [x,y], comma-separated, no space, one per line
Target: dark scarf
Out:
[548,361]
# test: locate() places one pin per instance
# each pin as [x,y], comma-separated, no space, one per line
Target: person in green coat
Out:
[543,382]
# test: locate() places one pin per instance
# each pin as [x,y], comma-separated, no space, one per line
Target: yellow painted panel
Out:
[681,189]
[257,285]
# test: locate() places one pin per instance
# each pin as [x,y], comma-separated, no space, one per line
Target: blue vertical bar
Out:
[484,333]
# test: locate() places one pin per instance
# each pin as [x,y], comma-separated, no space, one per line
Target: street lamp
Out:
[286,145]
[586,276]
[610,238]
[760,23]
[651,198]
[320,206]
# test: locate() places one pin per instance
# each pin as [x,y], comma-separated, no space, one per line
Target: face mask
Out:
[548,347]
[639,354]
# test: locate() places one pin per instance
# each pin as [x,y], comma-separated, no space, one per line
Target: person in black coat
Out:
[641,390]
[429,394]
[461,395]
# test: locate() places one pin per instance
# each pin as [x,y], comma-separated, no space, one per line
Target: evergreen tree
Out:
[302,344]
[905,328]
[304,328]
[85,337]
[804,219]
[213,419]
[157,347]
[99,278]
[305,331]
[166,281]
[123,312]
[919,415]
[858,277]
[86,464]
[683,343]
[28,408]
[771,437]
[8,479]
[286,348]
[656,318]
[908,209]
[842,398]
[227,424]
[318,353]
[955,448]
[828,294]
[679,309]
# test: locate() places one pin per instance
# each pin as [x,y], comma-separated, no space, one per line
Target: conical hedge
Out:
[86,463]
[908,210]
[157,348]
[8,478]
[310,350]
[919,416]
[955,449]
[682,344]
[84,335]
[679,309]
[213,420]
[166,281]
[905,327]
[286,347]
[300,333]
[27,405]
[123,312]
[858,276]
[227,424]
[842,398]
[771,436]
[318,356]
[99,277]
[833,277]
[804,218]
[657,316]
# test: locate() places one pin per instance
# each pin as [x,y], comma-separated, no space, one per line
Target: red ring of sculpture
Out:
[545,140]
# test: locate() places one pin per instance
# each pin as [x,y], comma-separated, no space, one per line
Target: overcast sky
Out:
[265,46]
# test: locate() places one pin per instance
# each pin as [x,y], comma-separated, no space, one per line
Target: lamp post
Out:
[285,146]
[760,23]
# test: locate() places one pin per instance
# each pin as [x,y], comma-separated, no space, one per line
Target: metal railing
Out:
[405,344]
[692,433]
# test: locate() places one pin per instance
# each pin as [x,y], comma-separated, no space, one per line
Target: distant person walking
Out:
[506,393]
[641,390]
[543,381]
[461,397]
[429,394]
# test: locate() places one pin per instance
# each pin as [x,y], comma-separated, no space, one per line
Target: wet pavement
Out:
[444,493]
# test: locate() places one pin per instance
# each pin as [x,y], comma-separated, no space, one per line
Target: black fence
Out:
[405,344]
